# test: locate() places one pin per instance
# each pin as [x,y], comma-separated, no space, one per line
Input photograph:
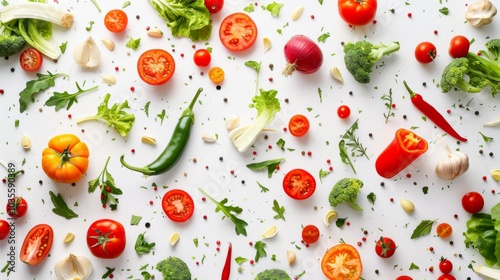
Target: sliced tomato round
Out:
[37,244]
[342,261]
[116,20]
[444,230]
[298,125]
[299,184]
[310,234]
[178,205]
[156,66]
[216,75]
[238,32]
[31,59]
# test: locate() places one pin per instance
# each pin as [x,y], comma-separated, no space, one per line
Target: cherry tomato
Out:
[444,230]
[202,58]
[459,46]
[445,266]
[106,239]
[178,205]
[343,111]
[473,202]
[447,277]
[31,59]
[357,12]
[404,277]
[4,229]
[238,32]
[385,247]
[37,244]
[425,52]
[342,261]
[299,184]
[156,66]
[310,234]
[298,125]
[116,20]
[214,6]
[16,207]
[216,75]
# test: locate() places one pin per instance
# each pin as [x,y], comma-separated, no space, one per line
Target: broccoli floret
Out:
[11,42]
[492,52]
[346,191]
[173,268]
[273,274]
[361,56]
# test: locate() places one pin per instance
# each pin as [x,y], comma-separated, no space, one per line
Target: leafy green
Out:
[262,188]
[372,197]
[260,251]
[133,43]
[483,234]
[33,87]
[114,116]
[142,246]
[61,208]
[486,138]
[249,8]
[38,34]
[344,156]
[340,222]
[422,229]
[135,220]
[107,186]
[271,165]
[240,260]
[227,211]
[274,8]
[323,173]
[186,18]
[444,11]
[62,99]
[279,210]
[322,38]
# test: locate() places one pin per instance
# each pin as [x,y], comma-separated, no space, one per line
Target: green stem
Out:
[143,170]
[412,94]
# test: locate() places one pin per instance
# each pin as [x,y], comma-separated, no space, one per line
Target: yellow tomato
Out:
[65,160]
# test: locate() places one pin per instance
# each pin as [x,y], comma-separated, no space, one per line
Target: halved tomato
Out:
[216,74]
[299,184]
[37,244]
[177,205]
[342,261]
[310,234]
[156,66]
[116,20]
[31,59]
[298,125]
[238,32]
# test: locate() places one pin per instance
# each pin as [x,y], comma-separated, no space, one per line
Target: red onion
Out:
[303,55]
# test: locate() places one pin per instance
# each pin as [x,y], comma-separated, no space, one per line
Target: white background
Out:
[383,218]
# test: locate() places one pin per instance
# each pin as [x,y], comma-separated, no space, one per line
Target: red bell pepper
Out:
[401,152]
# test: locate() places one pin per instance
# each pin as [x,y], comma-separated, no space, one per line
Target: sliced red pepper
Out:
[226,271]
[401,152]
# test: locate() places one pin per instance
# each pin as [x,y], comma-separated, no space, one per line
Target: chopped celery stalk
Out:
[36,10]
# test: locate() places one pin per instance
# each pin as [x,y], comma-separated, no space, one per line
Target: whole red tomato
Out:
[16,207]
[425,52]
[214,6]
[385,247]
[4,229]
[459,46]
[343,111]
[106,239]
[445,265]
[404,277]
[447,277]
[473,202]
[357,12]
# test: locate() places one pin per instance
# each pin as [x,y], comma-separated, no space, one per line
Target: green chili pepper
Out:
[172,153]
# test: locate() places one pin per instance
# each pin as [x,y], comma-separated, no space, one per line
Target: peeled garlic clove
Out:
[109,79]
[148,140]
[291,257]
[336,74]
[208,138]
[407,205]
[297,13]
[232,122]
[155,32]
[26,142]
[267,44]
[73,267]
[87,54]
[109,44]
[69,237]
[495,174]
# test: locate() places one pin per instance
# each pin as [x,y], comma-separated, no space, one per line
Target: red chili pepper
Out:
[227,266]
[401,152]
[431,113]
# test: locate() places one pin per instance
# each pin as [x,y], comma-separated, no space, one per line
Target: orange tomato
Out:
[65,160]
[444,230]
[342,262]
[216,74]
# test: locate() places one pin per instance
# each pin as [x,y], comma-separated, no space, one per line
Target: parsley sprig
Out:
[108,188]
[62,99]
[227,211]
[280,210]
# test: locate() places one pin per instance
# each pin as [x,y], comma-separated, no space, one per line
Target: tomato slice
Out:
[156,66]
[298,125]
[299,184]
[444,230]
[37,244]
[310,234]
[31,59]
[216,74]
[116,20]
[342,261]
[237,32]
[178,205]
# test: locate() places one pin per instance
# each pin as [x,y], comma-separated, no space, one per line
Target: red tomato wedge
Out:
[156,66]
[238,32]
[178,205]
[342,262]
[31,59]
[116,20]
[299,184]
[298,125]
[37,244]
[310,234]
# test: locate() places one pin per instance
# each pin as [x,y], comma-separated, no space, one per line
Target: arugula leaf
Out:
[344,156]
[133,43]
[322,38]
[61,99]
[161,116]
[146,108]
[226,210]
[146,275]
[281,143]
[279,210]
[260,251]
[423,228]
[135,220]
[254,64]
[269,164]
[114,116]
[106,184]
[142,246]
[274,8]
[262,188]
[33,87]
[486,138]
[323,173]
[63,46]
[61,208]
[249,8]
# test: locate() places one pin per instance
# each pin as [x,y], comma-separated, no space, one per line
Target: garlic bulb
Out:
[87,54]
[454,165]
[73,268]
[480,13]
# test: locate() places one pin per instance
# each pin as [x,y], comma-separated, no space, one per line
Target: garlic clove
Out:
[69,237]
[155,32]
[73,267]
[271,232]
[148,140]
[26,142]
[208,138]
[297,13]
[109,79]
[109,44]
[335,72]
[291,257]
[232,122]
[87,54]
[267,43]
[407,205]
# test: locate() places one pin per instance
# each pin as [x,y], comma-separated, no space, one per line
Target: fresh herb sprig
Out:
[271,165]
[142,246]
[33,87]
[357,149]
[423,228]
[280,210]
[106,183]
[64,99]
[60,206]
[344,156]
[388,104]
[228,210]
[260,252]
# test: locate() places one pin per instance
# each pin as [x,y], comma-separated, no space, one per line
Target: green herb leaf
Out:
[423,228]
[279,210]
[444,11]
[254,64]
[413,266]
[107,186]
[135,220]
[33,87]
[64,99]
[126,4]
[269,164]
[133,43]
[372,197]
[322,38]
[281,144]
[61,208]
[63,47]
[91,23]
[146,108]
[388,104]
[142,246]
[340,222]
[323,173]
[486,138]
[260,251]
[240,260]
[109,271]
[353,141]
[262,188]
[249,8]
[274,8]
[161,116]
[344,156]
